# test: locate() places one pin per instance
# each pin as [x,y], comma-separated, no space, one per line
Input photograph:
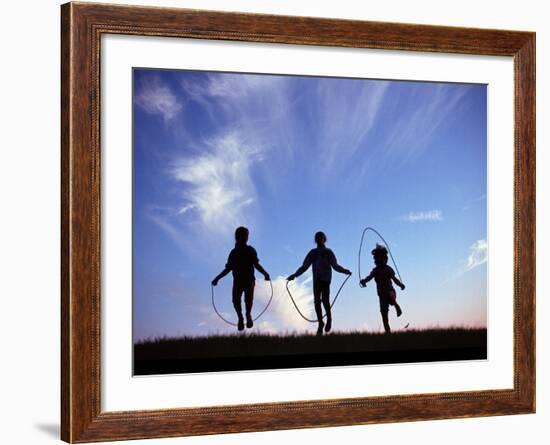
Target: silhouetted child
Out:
[241,261]
[322,260]
[383,276]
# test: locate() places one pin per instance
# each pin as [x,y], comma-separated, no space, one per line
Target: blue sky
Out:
[287,156]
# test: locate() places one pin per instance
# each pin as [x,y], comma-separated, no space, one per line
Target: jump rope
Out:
[337,293]
[235,324]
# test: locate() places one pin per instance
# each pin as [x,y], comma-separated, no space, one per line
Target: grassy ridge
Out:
[261,344]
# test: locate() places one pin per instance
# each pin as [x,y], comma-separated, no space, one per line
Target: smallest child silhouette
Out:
[242,261]
[383,276]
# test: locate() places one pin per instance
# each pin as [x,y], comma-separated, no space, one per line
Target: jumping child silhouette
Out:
[322,259]
[383,276]
[241,261]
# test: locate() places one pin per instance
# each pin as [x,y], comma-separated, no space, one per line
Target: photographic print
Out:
[287,221]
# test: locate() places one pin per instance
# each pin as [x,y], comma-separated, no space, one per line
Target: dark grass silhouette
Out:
[250,351]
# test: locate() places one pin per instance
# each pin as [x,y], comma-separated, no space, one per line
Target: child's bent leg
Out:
[398,310]
[392,297]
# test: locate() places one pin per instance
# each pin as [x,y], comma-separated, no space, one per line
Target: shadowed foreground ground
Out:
[250,351]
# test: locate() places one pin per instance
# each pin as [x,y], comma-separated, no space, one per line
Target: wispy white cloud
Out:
[218,187]
[214,176]
[186,208]
[345,116]
[155,97]
[478,255]
[265,327]
[282,316]
[429,215]
[163,220]
[238,87]
[470,202]
[231,86]
[414,131]
[244,99]
[260,106]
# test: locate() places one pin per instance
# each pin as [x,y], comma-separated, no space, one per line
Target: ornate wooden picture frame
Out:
[82,25]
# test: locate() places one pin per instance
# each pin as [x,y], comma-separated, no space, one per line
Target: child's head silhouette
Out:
[320,238]
[241,235]
[380,255]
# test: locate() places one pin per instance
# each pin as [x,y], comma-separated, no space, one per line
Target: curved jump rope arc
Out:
[235,324]
[332,304]
[385,243]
